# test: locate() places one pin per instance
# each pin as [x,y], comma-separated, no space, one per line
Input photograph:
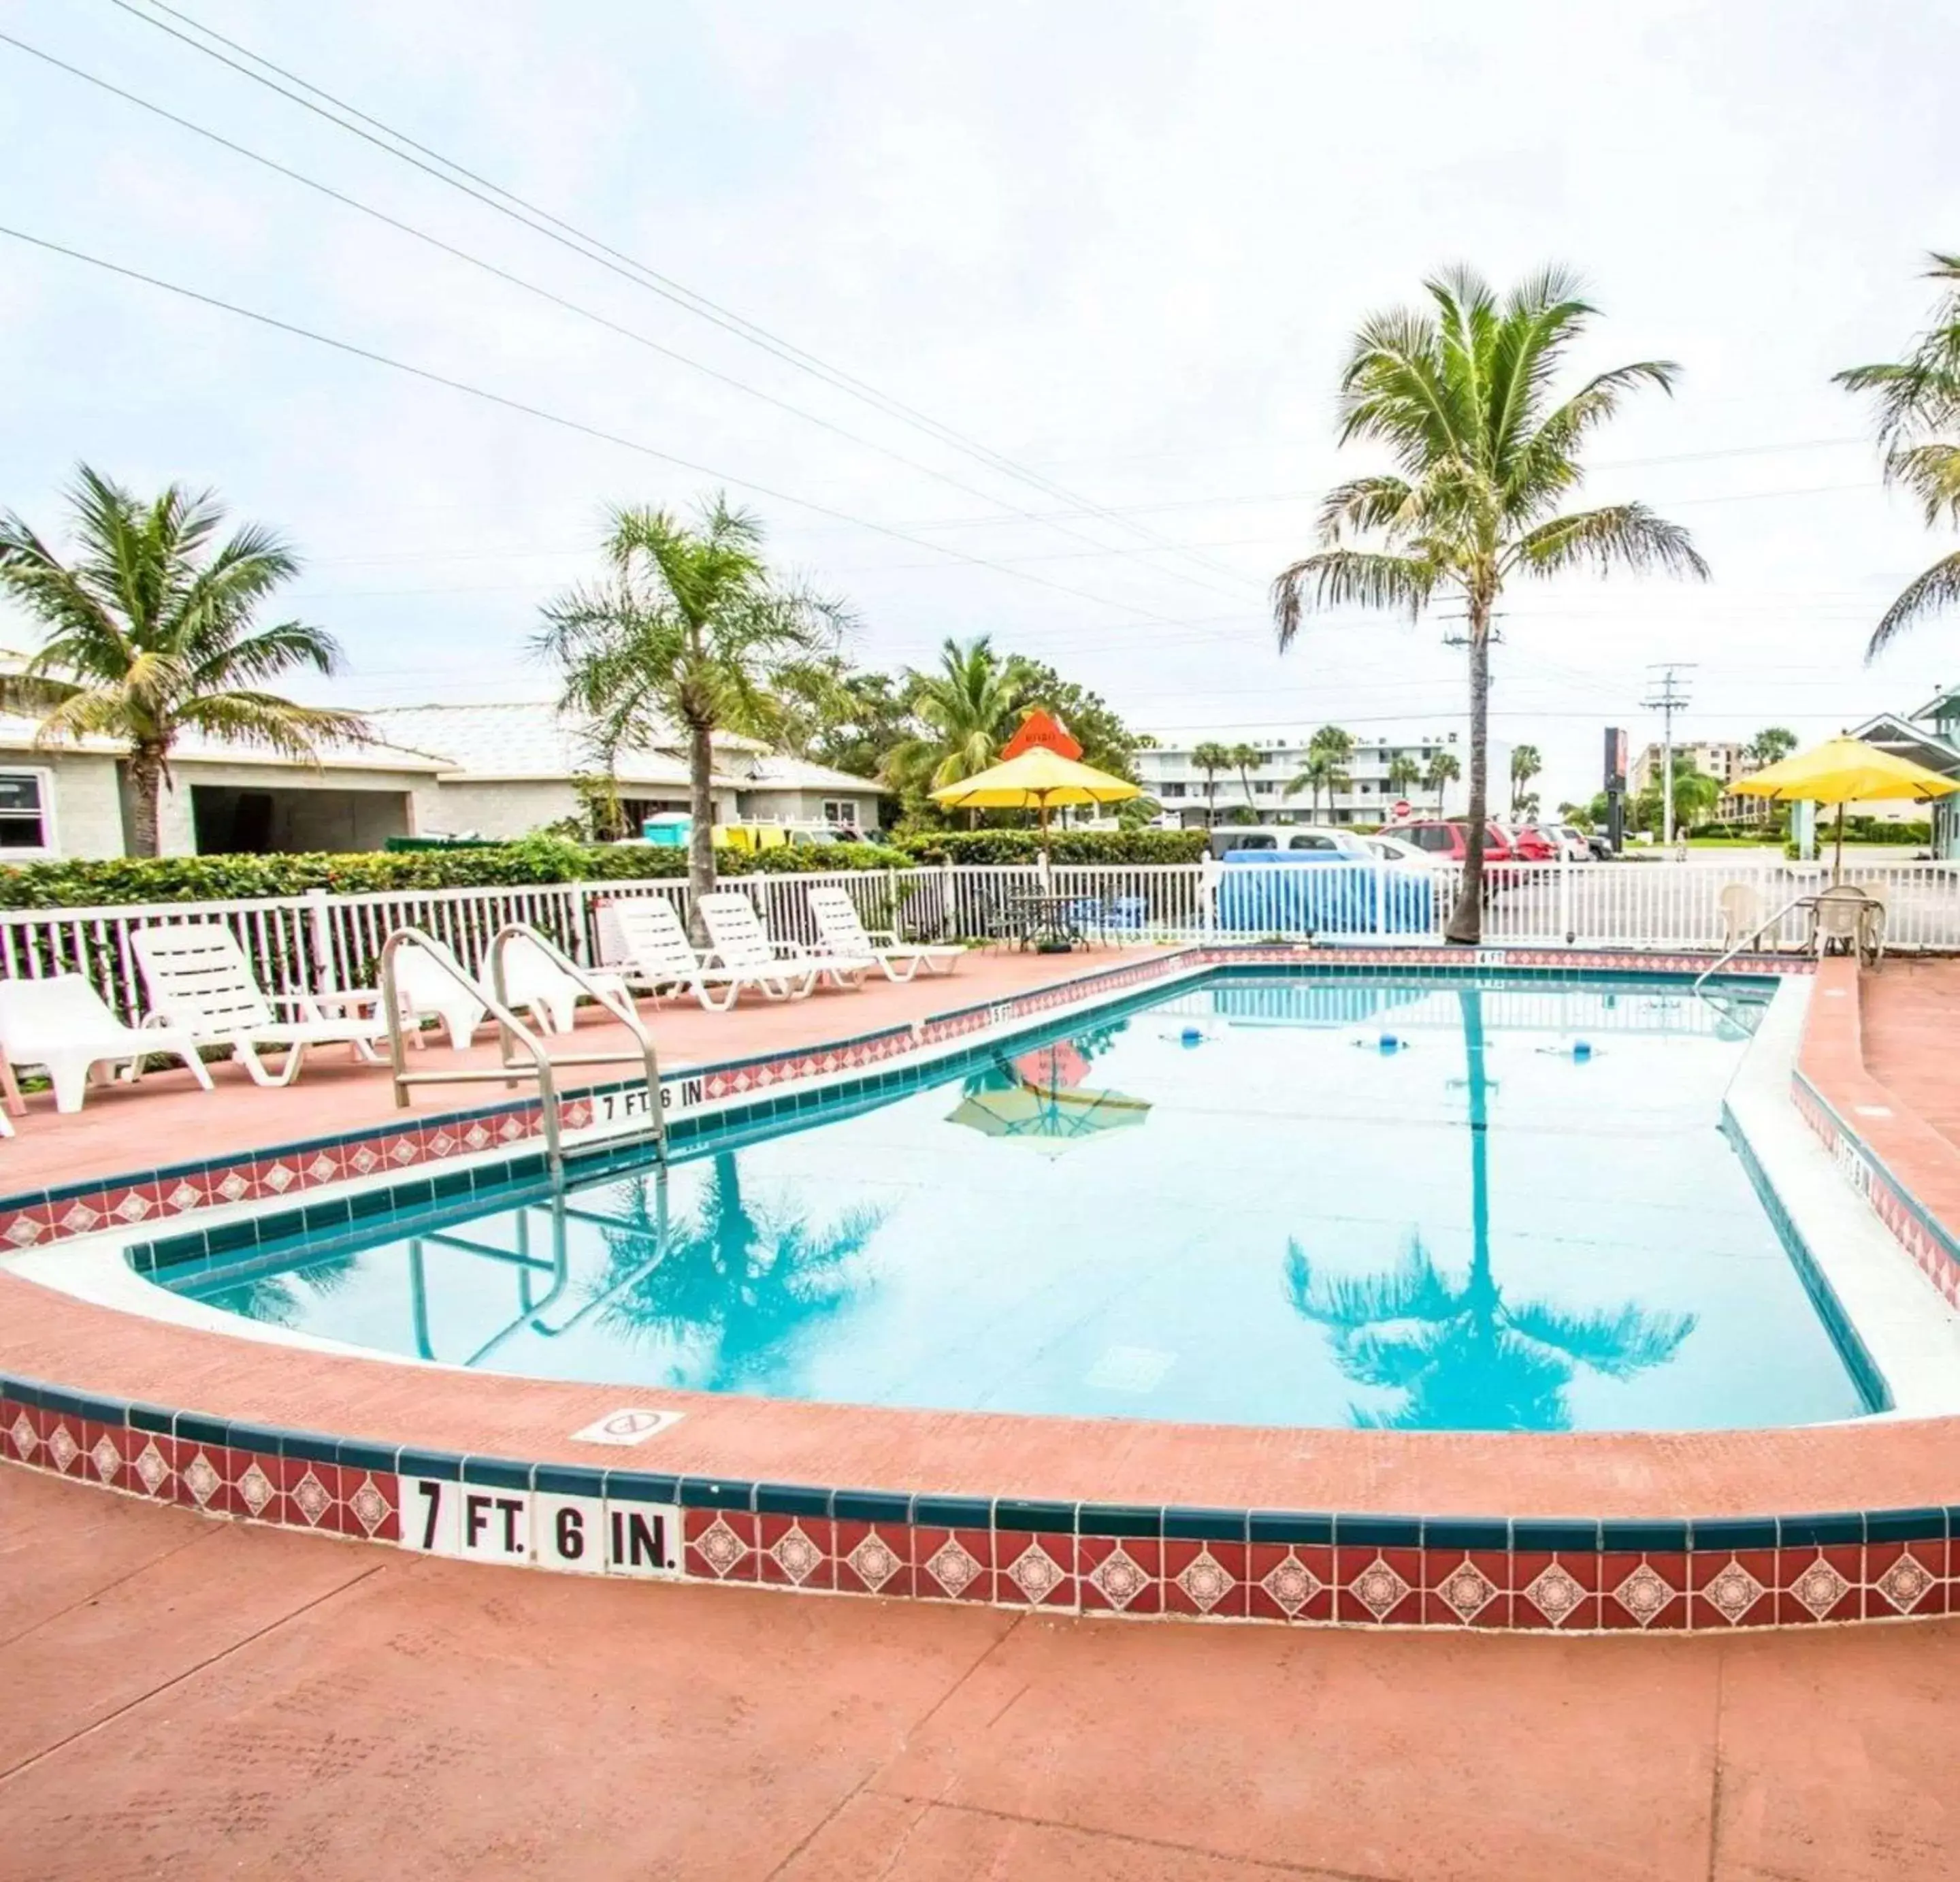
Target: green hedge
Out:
[535,859]
[1073,846]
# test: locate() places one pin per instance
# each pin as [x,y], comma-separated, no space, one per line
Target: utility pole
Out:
[1667,696]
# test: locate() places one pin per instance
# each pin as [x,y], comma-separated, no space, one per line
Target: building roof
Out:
[774,771]
[531,740]
[1890,733]
[17,730]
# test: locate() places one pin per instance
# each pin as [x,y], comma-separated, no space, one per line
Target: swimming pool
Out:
[1418,1200]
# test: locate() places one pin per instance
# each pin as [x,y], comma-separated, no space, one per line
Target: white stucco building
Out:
[490,770]
[1171,774]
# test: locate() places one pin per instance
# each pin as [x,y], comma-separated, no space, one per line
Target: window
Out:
[1262,789]
[25,825]
[1312,842]
[1171,790]
[841,811]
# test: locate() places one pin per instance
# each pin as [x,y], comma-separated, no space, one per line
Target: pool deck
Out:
[168,1119]
[189,1699]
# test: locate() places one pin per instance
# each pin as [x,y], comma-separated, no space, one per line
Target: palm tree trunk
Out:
[146,785]
[1466,925]
[701,808]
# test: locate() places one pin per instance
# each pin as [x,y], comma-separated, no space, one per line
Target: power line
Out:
[557,418]
[584,312]
[554,228]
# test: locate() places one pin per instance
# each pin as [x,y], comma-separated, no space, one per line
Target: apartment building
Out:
[1171,774]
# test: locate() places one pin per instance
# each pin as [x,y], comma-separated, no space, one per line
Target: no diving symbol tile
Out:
[631,1425]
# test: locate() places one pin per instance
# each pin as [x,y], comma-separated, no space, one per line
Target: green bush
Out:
[535,859]
[1065,846]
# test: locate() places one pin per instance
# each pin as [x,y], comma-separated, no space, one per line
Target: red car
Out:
[1530,844]
[1447,841]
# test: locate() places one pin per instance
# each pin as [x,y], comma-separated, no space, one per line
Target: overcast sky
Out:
[1119,246]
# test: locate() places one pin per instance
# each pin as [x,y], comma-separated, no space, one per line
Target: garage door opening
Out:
[228,821]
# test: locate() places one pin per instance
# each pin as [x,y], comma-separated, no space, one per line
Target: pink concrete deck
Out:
[188,1699]
[1910,1013]
[168,1119]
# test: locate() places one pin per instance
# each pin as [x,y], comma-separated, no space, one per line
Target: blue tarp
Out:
[1322,892]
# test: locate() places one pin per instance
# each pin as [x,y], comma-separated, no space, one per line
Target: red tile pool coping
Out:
[1602,1532]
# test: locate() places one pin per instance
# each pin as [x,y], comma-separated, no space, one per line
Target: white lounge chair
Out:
[533,981]
[201,985]
[644,937]
[424,991]
[843,932]
[741,945]
[62,1024]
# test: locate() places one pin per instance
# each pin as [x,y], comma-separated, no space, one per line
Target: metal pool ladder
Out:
[513,1032]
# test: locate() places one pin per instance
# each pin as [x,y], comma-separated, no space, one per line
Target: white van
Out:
[1289,836]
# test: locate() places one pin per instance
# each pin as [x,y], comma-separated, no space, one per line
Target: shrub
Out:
[534,859]
[1067,846]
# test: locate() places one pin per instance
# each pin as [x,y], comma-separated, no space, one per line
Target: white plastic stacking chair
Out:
[1742,912]
[424,991]
[200,984]
[782,969]
[62,1024]
[644,938]
[844,933]
[533,980]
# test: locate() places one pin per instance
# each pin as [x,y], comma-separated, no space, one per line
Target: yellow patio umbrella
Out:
[1843,771]
[1038,778]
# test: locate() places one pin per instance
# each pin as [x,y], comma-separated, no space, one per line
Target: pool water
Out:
[1424,1202]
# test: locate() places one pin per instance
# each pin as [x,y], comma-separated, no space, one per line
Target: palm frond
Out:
[1927,593]
[243,717]
[1623,535]
[1365,503]
[1337,577]
[1617,1344]
[1932,472]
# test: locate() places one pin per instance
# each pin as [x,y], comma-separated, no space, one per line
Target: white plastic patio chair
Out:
[844,932]
[740,944]
[1843,913]
[424,991]
[201,985]
[644,938]
[533,980]
[1742,912]
[62,1024]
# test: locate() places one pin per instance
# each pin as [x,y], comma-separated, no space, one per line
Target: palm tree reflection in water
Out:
[738,1285]
[272,1298]
[1462,1357]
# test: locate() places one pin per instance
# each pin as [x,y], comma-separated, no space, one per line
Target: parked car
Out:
[1445,839]
[1599,846]
[1570,840]
[1387,848]
[1288,836]
[1529,843]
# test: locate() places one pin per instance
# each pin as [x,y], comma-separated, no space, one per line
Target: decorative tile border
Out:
[1275,1566]
[36,1218]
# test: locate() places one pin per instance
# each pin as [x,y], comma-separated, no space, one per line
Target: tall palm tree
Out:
[969,708]
[1525,765]
[1404,774]
[1919,426]
[687,632]
[1464,1357]
[149,634]
[1772,745]
[1327,754]
[1463,398]
[732,1289]
[1246,760]
[1443,771]
[1211,758]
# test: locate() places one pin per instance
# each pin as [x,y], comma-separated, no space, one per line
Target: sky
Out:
[1089,271]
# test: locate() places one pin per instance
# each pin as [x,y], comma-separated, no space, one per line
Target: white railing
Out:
[320,942]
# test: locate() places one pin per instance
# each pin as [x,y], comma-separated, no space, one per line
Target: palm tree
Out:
[1324,770]
[1246,760]
[1211,758]
[1443,771]
[687,630]
[1463,399]
[732,1288]
[1404,774]
[1463,1357]
[969,708]
[1525,765]
[1772,745]
[1919,426]
[150,635]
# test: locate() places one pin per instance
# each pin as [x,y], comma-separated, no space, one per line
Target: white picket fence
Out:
[322,941]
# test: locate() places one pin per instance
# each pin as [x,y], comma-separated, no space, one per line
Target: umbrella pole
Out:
[1838,861]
